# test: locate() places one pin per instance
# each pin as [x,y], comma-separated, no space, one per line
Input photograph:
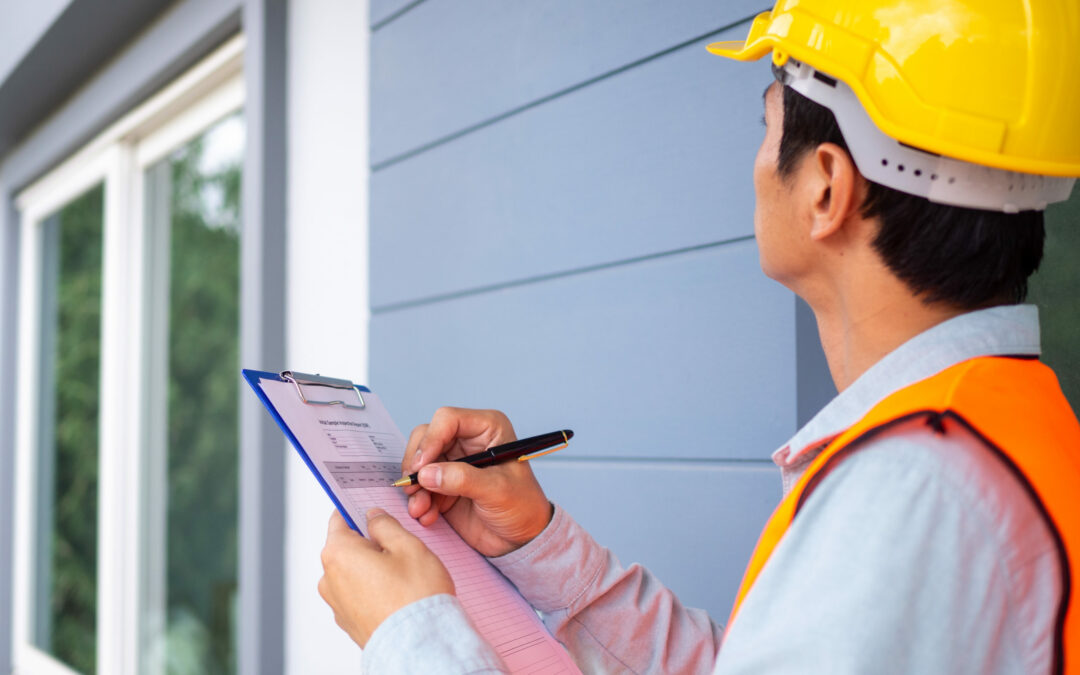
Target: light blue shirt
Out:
[919,553]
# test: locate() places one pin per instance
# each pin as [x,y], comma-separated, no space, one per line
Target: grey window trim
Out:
[262,340]
[9,274]
[145,60]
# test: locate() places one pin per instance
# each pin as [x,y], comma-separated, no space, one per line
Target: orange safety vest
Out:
[1015,406]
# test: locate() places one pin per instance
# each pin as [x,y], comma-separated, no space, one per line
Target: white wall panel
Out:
[327,283]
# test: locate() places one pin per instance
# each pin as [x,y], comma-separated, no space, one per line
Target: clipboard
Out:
[254,377]
[333,424]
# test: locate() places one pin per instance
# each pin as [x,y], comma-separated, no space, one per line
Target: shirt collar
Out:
[997,331]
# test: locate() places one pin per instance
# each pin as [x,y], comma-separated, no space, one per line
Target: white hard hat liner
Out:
[944,180]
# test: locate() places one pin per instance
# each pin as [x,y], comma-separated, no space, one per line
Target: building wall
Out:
[561,227]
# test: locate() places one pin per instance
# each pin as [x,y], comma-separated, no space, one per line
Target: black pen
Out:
[523,450]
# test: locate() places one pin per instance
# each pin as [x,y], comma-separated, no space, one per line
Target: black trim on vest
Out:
[936,420]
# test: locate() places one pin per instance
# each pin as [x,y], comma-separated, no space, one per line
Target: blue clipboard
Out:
[255,377]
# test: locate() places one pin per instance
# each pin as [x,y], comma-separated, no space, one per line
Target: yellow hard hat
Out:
[990,82]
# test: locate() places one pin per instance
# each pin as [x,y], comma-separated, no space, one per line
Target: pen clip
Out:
[566,442]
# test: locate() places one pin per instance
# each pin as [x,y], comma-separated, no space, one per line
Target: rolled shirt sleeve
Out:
[610,618]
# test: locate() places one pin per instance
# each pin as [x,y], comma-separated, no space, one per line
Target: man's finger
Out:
[419,503]
[462,480]
[387,532]
[438,437]
[428,518]
[409,460]
[337,525]
[339,532]
[342,543]
[479,428]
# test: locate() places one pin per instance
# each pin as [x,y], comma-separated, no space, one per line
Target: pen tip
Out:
[402,482]
[569,434]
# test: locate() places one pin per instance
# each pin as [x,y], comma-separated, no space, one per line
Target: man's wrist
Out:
[537,530]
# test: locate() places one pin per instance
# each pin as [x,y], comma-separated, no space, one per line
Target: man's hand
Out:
[495,509]
[365,581]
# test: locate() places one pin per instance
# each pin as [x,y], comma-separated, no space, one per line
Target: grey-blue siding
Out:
[686,522]
[446,65]
[653,159]
[562,227]
[681,356]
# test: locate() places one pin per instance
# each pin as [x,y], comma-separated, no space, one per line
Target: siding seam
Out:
[721,462]
[408,154]
[395,15]
[540,278]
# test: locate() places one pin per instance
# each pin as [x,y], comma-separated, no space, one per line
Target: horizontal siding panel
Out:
[689,355]
[692,525]
[657,158]
[448,65]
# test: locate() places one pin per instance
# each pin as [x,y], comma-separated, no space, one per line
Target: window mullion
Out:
[120,458]
[155,225]
[27,432]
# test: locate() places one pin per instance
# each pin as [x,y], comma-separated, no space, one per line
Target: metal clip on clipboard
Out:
[299,379]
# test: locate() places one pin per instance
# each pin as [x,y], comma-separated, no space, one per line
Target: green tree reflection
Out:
[73,565]
[203,409]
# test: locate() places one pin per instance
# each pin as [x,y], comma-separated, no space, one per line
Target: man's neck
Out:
[862,328]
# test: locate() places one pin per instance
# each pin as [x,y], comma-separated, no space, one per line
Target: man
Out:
[929,522]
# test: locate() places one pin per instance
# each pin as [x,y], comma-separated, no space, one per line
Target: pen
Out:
[523,450]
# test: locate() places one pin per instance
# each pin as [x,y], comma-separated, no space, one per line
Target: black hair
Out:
[963,257]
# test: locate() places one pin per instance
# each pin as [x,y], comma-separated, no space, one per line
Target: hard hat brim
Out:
[738,50]
[756,44]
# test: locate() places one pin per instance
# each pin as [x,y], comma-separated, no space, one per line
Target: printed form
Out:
[357,453]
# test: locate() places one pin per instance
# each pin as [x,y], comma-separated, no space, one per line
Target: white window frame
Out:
[131,442]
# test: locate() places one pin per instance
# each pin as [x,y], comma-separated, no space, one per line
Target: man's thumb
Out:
[457,479]
[386,531]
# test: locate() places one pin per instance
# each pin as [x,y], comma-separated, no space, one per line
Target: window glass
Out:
[1056,289]
[65,569]
[194,195]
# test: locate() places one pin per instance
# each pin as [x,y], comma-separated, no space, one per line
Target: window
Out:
[128,382]
[193,207]
[65,552]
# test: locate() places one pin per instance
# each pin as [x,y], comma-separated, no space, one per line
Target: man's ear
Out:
[837,192]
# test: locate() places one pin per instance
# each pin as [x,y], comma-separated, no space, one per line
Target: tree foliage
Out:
[72,579]
[203,434]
